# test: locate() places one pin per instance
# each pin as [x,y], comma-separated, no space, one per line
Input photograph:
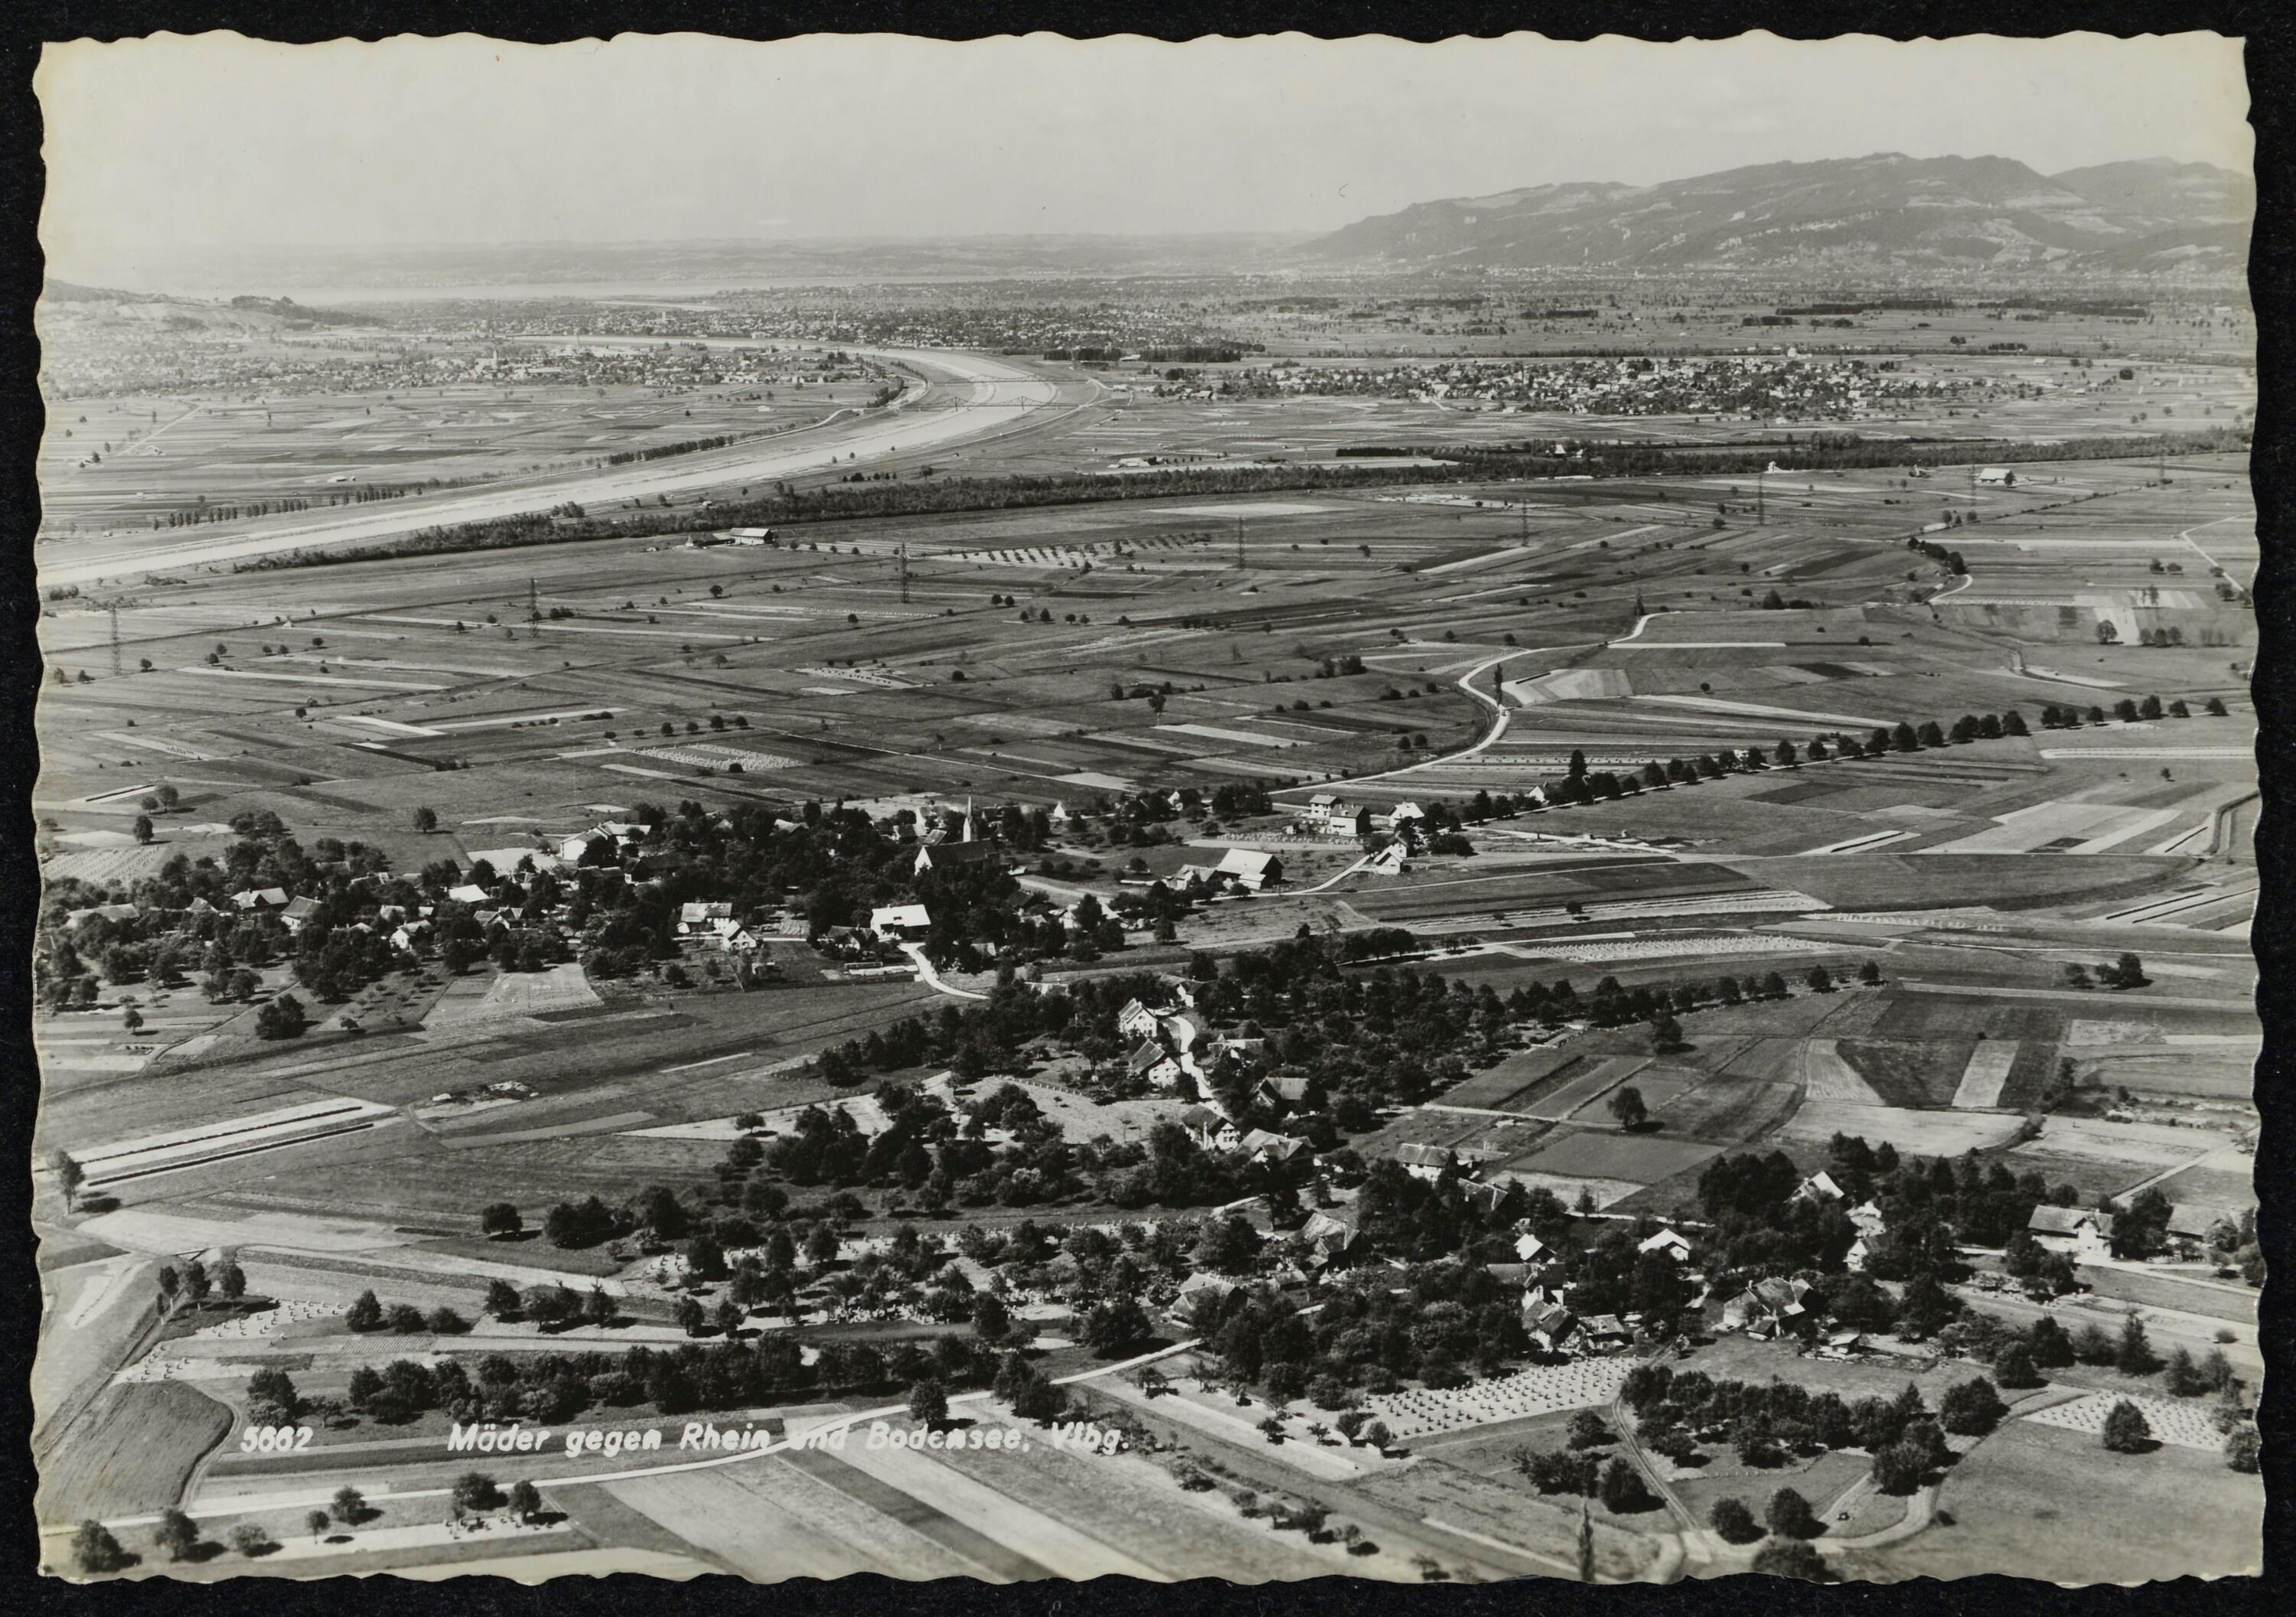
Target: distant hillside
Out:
[69,305]
[1884,212]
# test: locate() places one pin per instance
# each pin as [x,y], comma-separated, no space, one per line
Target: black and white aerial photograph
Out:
[1051,809]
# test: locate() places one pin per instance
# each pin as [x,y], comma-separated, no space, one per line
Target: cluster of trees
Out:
[2128,710]
[683,447]
[1928,1207]
[194,1285]
[1581,785]
[1950,560]
[2124,971]
[368,1312]
[1434,1323]
[553,1388]
[1766,1424]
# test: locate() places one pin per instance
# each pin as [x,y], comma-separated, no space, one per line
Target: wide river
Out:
[970,396]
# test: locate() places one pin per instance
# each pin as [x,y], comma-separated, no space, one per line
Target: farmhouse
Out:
[908,923]
[299,909]
[1429,1161]
[1767,1307]
[1210,1129]
[694,919]
[1250,868]
[1550,1326]
[1605,1332]
[2195,1225]
[1819,1188]
[734,938]
[1136,1020]
[1266,1146]
[1152,1062]
[1675,1246]
[1330,1235]
[1997,477]
[1283,1091]
[2080,1231]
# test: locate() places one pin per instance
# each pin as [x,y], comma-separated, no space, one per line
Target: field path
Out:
[1989,1068]
[1826,1077]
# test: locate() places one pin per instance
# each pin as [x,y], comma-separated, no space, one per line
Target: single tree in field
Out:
[1666,1033]
[598,1307]
[1820,980]
[1622,1488]
[1790,1517]
[95,1550]
[426,819]
[144,834]
[251,1540]
[526,1499]
[2133,1354]
[1870,974]
[349,1506]
[929,1401]
[177,1534]
[1735,1523]
[2243,1450]
[476,1490]
[1116,1324]
[2016,1367]
[1627,1108]
[69,1175]
[364,1313]
[282,1018]
[316,1521]
[500,1218]
[1972,1408]
[690,1315]
[1793,1558]
[1897,1469]
[501,1299]
[2126,1429]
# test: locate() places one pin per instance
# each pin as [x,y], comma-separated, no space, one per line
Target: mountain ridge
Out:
[1884,210]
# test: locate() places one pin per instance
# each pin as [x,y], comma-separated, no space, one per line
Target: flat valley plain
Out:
[1444,640]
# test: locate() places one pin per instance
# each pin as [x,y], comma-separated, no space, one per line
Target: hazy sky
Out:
[177,143]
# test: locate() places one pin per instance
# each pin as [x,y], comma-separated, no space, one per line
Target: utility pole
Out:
[533,602]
